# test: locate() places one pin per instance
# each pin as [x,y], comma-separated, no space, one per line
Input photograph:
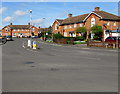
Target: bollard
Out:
[106,45]
[114,45]
[29,44]
[34,45]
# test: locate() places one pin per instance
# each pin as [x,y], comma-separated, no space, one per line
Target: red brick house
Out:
[19,30]
[108,21]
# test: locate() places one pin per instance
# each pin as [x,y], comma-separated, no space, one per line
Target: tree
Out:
[97,31]
[81,30]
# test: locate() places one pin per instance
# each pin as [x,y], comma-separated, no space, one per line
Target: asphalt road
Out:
[56,68]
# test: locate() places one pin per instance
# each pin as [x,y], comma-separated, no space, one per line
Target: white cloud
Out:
[38,22]
[20,13]
[8,19]
[2,9]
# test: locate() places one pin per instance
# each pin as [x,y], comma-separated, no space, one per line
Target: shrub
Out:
[58,36]
[81,30]
[81,38]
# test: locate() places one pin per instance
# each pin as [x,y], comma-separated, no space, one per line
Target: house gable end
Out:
[90,14]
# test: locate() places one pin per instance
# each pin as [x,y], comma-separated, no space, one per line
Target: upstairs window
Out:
[70,26]
[92,21]
[81,25]
[108,23]
[56,27]
[33,29]
[75,25]
[114,23]
[6,29]
[65,27]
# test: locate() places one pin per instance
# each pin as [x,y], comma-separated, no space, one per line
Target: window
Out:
[115,23]
[71,34]
[80,24]
[14,30]
[70,26]
[74,34]
[75,25]
[6,29]
[56,26]
[108,23]
[14,34]
[33,29]
[92,21]
[65,34]
[6,34]
[65,27]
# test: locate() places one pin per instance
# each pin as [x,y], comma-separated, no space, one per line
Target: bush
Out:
[69,38]
[58,36]
[79,38]
[96,37]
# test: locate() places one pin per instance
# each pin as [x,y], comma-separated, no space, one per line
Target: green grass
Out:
[79,42]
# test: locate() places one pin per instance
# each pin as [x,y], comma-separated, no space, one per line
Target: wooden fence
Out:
[103,44]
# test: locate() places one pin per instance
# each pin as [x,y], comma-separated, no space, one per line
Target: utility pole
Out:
[30,40]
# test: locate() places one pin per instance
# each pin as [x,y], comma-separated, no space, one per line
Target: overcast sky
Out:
[44,13]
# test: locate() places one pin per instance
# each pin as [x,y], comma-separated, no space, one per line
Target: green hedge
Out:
[58,36]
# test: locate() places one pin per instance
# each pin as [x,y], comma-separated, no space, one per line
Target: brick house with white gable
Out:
[108,21]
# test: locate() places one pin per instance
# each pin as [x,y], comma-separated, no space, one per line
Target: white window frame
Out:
[65,26]
[108,23]
[70,26]
[74,34]
[81,25]
[65,34]
[6,34]
[114,23]
[6,29]
[75,25]
[56,26]
[92,21]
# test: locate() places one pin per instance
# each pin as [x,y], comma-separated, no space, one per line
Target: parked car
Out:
[112,39]
[9,37]
[34,36]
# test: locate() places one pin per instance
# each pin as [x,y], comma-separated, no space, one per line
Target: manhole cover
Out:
[29,62]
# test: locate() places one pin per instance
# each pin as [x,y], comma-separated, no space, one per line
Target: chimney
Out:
[97,9]
[70,15]
[10,23]
[29,23]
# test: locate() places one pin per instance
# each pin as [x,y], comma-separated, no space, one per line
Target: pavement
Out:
[58,68]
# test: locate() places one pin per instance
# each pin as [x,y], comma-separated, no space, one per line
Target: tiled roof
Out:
[80,18]
[75,19]
[60,20]
[19,26]
[43,29]
[106,15]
